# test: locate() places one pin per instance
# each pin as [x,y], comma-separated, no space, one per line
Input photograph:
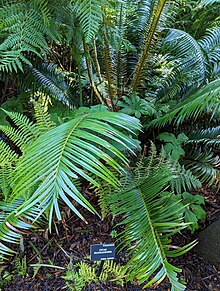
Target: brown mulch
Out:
[72,238]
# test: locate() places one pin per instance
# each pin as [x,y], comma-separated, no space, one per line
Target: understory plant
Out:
[132,61]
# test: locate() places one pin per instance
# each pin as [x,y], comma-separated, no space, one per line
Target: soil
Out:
[72,239]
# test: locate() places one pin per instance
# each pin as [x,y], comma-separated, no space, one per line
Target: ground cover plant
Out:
[118,98]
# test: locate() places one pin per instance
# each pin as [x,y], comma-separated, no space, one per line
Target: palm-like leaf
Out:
[150,219]
[73,149]
[12,227]
[205,99]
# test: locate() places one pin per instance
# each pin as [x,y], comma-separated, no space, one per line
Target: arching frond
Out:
[204,100]
[50,80]
[25,133]
[209,136]
[203,163]
[71,150]
[188,65]
[149,220]
[12,227]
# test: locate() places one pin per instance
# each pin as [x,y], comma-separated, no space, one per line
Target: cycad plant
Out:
[53,158]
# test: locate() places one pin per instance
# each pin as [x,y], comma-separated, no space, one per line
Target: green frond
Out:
[207,2]
[7,154]
[25,133]
[42,117]
[186,65]
[50,80]
[26,29]
[90,14]
[204,100]
[209,136]
[6,170]
[210,44]
[150,219]
[12,227]
[203,163]
[183,179]
[71,150]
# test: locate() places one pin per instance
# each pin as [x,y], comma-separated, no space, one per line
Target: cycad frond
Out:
[209,136]
[50,80]
[150,219]
[12,227]
[210,44]
[188,65]
[147,41]
[71,150]
[204,100]
[203,163]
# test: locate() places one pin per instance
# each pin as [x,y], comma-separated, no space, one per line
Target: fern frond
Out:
[25,133]
[26,29]
[90,14]
[7,154]
[183,179]
[42,117]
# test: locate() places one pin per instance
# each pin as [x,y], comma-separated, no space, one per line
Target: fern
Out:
[183,179]
[42,117]
[90,15]
[25,133]
[26,27]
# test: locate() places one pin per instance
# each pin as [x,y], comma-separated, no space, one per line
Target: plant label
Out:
[102,252]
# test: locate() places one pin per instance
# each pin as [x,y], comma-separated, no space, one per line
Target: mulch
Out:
[72,238]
